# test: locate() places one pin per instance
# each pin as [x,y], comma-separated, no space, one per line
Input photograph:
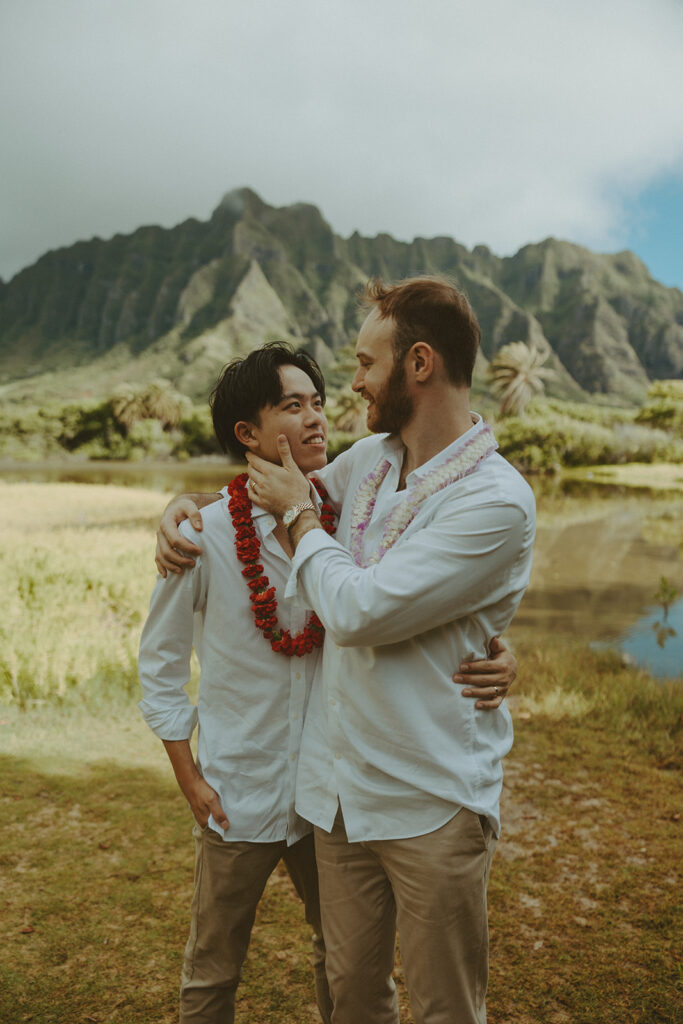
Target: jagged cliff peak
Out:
[189,289]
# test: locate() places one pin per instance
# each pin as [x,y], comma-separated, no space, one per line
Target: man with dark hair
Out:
[402,782]
[246,386]
[253,689]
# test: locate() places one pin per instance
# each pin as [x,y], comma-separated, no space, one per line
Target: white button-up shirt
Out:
[387,733]
[251,701]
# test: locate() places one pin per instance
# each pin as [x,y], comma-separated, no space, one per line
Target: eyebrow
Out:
[297,394]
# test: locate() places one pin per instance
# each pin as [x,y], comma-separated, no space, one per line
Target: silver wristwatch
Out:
[293,513]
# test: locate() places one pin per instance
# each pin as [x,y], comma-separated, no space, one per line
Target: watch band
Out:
[293,513]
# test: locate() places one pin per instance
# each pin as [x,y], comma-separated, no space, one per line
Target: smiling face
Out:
[299,415]
[379,379]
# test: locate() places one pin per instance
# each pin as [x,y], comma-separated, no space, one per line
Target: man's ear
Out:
[420,358]
[244,432]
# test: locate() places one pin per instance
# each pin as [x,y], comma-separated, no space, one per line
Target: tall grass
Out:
[565,681]
[77,572]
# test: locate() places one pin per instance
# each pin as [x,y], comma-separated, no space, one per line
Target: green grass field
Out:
[95,845]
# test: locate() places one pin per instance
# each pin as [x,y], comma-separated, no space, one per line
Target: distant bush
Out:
[550,437]
[153,421]
[603,415]
[197,433]
[92,429]
[664,406]
[29,434]
[156,422]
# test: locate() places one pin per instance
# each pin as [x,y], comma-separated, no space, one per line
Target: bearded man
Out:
[432,557]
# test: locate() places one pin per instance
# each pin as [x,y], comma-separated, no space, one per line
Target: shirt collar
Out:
[393,450]
[268,520]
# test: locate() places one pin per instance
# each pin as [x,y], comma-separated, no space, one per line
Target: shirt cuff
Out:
[175,724]
[314,540]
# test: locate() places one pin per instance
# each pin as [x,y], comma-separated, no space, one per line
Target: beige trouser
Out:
[434,887]
[228,882]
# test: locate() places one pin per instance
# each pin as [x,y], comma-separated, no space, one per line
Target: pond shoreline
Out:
[662,476]
[656,476]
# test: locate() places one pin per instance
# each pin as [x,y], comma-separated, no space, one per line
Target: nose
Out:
[356,383]
[316,415]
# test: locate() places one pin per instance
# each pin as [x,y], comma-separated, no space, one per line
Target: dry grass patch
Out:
[96,861]
[77,572]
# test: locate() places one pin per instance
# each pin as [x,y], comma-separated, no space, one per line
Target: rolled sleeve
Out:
[164,658]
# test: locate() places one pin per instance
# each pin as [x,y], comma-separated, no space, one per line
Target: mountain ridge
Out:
[182,301]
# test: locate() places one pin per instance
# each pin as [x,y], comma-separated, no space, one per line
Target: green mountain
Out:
[180,302]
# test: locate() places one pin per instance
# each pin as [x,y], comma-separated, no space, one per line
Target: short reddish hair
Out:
[429,309]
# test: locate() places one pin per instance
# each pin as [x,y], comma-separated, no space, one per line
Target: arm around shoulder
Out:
[175,553]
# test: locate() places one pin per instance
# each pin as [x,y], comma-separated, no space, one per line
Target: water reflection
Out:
[663,633]
[171,477]
[607,568]
[656,644]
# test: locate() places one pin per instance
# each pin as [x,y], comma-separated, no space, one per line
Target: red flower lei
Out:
[263,599]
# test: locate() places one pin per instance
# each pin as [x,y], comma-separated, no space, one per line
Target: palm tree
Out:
[156,400]
[162,402]
[515,373]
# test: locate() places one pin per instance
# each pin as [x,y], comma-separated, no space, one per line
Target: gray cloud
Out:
[497,122]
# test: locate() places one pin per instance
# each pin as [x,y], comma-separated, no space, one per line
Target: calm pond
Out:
[607,563]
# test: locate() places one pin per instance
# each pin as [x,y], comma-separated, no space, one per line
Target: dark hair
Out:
[248,385]
[429,309]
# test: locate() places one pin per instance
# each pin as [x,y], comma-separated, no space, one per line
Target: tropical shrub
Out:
[197,434]
[546,440]
[664,406]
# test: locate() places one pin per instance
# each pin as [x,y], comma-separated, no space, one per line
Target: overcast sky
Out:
[493,121]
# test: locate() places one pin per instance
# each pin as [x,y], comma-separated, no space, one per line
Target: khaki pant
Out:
[434,888]
[228,883]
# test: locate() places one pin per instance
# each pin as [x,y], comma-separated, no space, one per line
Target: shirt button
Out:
[298,675]
[295,716]
[293,757]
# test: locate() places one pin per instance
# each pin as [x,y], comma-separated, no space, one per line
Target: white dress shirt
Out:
[387,732]
[251,701]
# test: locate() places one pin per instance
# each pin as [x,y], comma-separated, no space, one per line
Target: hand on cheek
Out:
[277,488]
